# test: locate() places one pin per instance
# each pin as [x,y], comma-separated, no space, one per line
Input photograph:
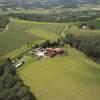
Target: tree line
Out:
[50,44]
[90,45]
[64,17]
[11,86]
[35,17]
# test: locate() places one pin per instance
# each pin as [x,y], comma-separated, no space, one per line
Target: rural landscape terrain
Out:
[50,50]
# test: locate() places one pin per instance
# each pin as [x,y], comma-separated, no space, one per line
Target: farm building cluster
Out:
[48,52]
[42,52]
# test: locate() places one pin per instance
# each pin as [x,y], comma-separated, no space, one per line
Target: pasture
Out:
[75,30]
[20,32]
[63,78]
[96,23]
[78,31]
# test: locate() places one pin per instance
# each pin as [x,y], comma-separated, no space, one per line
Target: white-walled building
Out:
[41,54]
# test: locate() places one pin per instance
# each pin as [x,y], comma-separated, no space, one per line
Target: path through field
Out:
[4,30]
[65,28]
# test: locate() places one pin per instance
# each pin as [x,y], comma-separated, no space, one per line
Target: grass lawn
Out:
[20,32]
[63,78]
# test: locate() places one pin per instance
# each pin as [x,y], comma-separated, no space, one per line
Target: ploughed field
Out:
[20,32]
[63,78]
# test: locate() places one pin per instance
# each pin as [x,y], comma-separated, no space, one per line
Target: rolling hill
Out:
[74,77]
[63,78]
[75,30]
[20,32]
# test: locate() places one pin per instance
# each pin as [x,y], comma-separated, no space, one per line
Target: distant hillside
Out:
[28,3]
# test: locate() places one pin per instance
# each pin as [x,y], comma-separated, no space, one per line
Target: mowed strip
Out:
[63,78]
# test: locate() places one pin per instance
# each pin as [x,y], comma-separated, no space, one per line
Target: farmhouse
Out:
[48,52]
[56,50]
[40,52]
[85,26]
[59,50]
[51,52]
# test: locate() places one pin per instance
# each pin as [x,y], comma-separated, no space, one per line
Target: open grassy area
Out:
[96,23]
[63,78]
[20,32]
[78,31]
[74,29]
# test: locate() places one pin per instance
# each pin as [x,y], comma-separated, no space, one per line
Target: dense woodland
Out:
[11,86]
[90,45]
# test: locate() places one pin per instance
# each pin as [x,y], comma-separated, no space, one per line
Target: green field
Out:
[96,22]
[74,77]
[63,78]
[77,31]
[20,32]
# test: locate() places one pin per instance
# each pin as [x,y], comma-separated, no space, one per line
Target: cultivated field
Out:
[20,32]
[63,78]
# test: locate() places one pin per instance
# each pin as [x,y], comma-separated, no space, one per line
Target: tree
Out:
[90,45]
[11,86]
[28,44]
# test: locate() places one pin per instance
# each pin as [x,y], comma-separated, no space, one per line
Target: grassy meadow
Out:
[20,32]
[78,31]
[63,78]
[75,30]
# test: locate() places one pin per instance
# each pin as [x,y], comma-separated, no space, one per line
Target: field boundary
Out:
[1,33]
[65,28]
